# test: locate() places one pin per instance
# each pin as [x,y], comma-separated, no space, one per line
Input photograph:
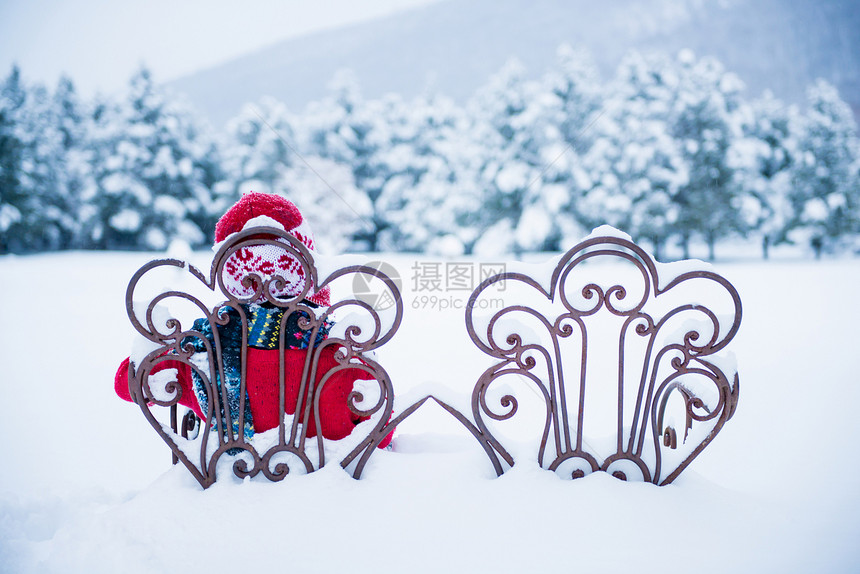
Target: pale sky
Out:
[100,43]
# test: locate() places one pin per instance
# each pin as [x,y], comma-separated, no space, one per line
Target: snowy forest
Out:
[671,150]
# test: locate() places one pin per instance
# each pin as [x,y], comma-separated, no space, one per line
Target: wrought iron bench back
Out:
[666,352]
[661,345]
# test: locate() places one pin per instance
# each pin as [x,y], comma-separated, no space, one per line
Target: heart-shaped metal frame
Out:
[671,365]
[292,448]
[684,363]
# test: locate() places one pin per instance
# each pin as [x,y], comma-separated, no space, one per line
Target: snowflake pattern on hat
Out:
[267,262]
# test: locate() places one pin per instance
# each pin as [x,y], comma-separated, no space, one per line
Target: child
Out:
[264,321]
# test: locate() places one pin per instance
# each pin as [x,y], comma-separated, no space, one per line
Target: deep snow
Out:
[86,485]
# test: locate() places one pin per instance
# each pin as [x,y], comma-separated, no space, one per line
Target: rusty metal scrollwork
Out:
[290,449]
[665,347]
[667,359]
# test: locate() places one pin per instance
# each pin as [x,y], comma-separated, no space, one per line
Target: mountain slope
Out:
[452,47]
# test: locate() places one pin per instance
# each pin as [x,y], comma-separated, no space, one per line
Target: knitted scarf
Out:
[264,322]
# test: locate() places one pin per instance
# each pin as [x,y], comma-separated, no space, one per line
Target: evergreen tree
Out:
[154,169]
[69,163]
[825,184]
[569,108]
[668,150]
[705,125]
[325,192]
[635,167]
[515,158]
[398,162]
[575,98]
[14,205]
[257,151]
[763,161]
[347,130]
[261,154]
[40,185]
[432,191]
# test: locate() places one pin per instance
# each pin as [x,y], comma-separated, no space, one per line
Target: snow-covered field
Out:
[87,486]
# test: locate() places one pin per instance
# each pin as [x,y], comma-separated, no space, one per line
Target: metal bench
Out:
[614,347]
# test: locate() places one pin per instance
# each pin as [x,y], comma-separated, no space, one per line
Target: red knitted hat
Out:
[266,260]
[253,205]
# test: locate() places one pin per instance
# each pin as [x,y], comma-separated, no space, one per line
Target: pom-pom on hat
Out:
[265,209]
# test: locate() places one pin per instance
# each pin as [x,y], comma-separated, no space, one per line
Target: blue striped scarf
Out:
[264,324]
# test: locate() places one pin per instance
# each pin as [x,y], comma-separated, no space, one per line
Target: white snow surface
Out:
[86,484]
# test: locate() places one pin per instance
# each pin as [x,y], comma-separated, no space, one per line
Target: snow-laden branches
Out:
[669,150]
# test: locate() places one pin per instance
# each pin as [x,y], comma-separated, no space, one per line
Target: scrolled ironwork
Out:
[665,350]
[276,453]
[653,363]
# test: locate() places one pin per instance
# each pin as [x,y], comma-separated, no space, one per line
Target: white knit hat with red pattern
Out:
[267,261]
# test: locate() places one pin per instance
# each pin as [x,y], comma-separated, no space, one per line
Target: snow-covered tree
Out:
[41,138]
[324,191]
[763,161]
[705,125]
[669,149]
[155,168]
[258,148]
[347,130]
[432,188]
[576,93]
[69,163]
[826,192]
[522,154]
[261,154]
[635,167]
[569,107]
[15,206]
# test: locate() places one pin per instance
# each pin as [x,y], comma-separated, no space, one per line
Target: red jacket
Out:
[336,418]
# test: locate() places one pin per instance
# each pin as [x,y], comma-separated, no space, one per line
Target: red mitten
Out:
[183,377]
[336,418]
